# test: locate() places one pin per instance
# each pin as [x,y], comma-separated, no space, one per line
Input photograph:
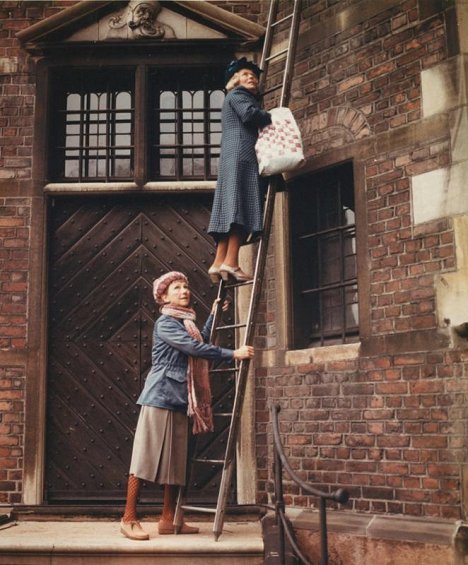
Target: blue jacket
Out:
[166,383]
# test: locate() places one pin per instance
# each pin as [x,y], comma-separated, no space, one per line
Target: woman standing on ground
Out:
[237,214]
[177,383]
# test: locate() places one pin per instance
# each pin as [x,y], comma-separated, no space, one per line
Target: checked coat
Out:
[239,191]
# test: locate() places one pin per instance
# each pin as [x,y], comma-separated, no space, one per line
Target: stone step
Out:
[100,542]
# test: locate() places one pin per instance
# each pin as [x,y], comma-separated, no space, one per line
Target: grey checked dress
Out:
[239,191]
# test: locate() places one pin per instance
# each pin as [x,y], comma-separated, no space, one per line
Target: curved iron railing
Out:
[340,495]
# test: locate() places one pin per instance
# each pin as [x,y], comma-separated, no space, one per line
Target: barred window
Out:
[323,239]
[93,126]
[185,124]
[94,116]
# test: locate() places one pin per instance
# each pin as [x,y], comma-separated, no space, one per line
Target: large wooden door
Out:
[104,253]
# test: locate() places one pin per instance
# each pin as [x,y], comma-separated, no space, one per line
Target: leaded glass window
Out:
[185,123]
[93,129]
[94,119]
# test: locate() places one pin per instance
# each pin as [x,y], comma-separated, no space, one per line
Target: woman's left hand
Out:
[225,305]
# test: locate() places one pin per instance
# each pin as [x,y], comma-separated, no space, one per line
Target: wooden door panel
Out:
[104,254]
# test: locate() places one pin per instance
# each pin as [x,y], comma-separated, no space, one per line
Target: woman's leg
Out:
[130,527]
[133,490]
[236,236]
[169,504]
[231,261]
[221,248]
[165,525]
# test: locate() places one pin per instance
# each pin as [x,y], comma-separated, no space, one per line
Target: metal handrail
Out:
[340,495]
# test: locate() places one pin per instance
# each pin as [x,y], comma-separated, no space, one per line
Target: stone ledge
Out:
[342,352]
[397,528]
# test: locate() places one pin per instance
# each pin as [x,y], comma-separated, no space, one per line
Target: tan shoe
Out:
[235,272]
[214,274]
[133,530]
[167,528]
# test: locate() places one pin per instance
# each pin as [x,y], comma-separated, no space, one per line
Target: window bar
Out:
[342,290]
[320,295]
[179,134]
[325,232]
[192,133]
[319,272]
[81,142]
[84,153]
[110,137]
[157,117]
[334,286]
[206,129]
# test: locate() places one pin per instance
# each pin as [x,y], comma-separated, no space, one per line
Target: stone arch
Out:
[334,128]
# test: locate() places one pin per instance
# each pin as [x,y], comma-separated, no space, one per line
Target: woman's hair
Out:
[233,81]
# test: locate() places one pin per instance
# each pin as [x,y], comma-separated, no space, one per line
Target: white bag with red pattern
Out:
[279,145]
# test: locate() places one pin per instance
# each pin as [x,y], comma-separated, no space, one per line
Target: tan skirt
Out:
[160,446]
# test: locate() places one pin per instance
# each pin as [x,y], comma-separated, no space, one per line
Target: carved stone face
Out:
[140,16]
[144,14]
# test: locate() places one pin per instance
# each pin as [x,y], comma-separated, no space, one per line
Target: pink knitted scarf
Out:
[198,379]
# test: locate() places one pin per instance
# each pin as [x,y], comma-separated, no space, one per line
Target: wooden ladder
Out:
[242,368]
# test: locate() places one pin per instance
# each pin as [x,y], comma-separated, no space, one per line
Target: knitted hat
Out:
[238,64]
[161,284]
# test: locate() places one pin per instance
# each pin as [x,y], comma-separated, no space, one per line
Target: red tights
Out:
[133,490]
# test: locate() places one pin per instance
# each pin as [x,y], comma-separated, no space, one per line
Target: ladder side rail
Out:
[244,365]
[261,259]
[290,57]
[268,39]
[218,310]
[250,326]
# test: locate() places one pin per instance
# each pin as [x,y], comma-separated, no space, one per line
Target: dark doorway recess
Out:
[104,253]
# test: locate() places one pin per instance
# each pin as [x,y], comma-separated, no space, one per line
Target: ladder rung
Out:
[286,18]
[282,52]
[272,89]
[199,509]
[209,461]
[231,327]
[238,284]
[222,414]
[229,370]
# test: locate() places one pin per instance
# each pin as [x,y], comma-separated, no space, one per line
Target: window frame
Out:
[351,335]
[207,85]
[199,54]
[88,119]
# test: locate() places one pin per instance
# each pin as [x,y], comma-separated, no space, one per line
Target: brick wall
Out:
[14,265]
[389,424]
[17,93]
[389,428]
[12,400]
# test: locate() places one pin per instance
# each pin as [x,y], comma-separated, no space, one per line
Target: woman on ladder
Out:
[237,213]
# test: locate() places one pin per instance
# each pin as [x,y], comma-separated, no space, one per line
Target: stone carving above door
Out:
[140,20]
[145,19]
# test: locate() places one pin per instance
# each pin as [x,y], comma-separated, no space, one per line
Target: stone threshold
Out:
[96,541]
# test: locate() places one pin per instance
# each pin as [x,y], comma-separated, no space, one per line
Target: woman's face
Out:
[248,80]
[177,294]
